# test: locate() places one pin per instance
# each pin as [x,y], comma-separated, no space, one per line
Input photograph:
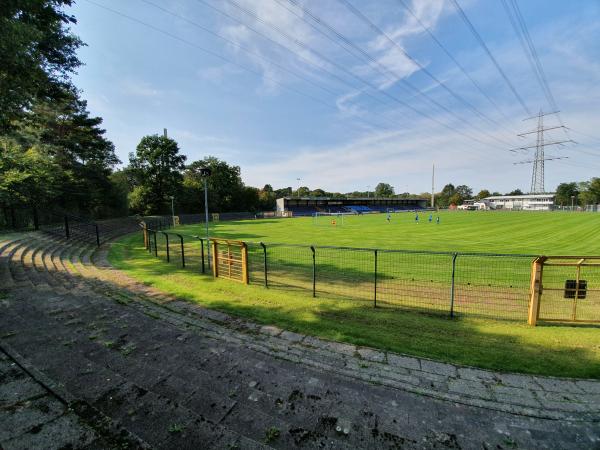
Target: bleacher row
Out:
[351,209]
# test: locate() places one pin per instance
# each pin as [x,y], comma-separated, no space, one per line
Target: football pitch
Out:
[539,233]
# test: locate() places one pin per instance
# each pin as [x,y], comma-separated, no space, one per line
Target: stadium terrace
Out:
[308,206]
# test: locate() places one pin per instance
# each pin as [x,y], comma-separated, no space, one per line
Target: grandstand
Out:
[308,206]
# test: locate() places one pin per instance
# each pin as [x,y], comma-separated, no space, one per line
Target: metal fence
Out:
[481,284]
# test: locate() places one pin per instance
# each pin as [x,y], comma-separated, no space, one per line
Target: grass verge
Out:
[569,351]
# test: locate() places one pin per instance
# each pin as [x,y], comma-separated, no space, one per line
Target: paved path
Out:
[162,373]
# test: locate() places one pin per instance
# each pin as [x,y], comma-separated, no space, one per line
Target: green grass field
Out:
[463,231]
[343,308]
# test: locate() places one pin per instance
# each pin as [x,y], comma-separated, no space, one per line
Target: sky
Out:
[344,94]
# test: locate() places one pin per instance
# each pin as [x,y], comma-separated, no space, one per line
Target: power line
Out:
[520,27]
[241,47]
[295,53]
[367,83]
[440,83]
[261,56]
[212,53]
[452,58]
[368,57]
[217,55]
[489,53]
[586,135]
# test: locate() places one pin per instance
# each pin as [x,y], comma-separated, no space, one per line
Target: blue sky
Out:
[269,89]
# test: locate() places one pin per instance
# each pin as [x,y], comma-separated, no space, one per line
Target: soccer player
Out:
[430,217]
[388,216]
[417,218]
[437,220]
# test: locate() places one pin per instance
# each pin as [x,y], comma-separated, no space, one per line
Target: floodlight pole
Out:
[205,172]
[572,203]
[206,217]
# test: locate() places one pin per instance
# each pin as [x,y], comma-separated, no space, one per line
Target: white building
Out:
[528,202]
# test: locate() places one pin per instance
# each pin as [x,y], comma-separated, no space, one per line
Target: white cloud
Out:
[139,88]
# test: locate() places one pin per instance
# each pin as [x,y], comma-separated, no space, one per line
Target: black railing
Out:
[452,283]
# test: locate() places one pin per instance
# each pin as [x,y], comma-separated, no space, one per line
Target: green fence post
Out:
[452,285]
[265,263]
[155,246]
[314,272]
[375,283]
[167,242]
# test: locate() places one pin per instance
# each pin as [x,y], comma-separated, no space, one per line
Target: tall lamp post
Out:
[298,190]
[572,203]
[205,172]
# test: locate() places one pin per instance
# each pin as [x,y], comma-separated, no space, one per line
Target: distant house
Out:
[528,202]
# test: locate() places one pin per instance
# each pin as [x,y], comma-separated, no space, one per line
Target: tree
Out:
[484,193]
[318,193]
[29,175]
[77,143]
[303,191]
[442,199]
[594,190]
[225,186]
[464,191]
[516,192]
[564,192]
[155,170]
[384,190]
[266,198]
[284,192]
[38,53]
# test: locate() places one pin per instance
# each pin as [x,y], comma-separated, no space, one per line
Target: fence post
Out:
[452,285]
[265,262]
[155,246]
[167,241]
[537,269]
[97,235]
[215,258]
[202,253]
[314,272]
[375,282]
[182,251]
[245,278]
[67,234]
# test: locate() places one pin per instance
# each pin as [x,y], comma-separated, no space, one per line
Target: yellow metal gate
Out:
[565,289]
[230,259]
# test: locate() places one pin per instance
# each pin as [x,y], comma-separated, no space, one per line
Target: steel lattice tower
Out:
[537,175]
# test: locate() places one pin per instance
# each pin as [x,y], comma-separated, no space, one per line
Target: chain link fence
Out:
[477,284]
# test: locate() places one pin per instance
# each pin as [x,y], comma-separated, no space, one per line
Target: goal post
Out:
[328,219]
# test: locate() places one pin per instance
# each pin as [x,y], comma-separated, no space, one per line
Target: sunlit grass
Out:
[500,345]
